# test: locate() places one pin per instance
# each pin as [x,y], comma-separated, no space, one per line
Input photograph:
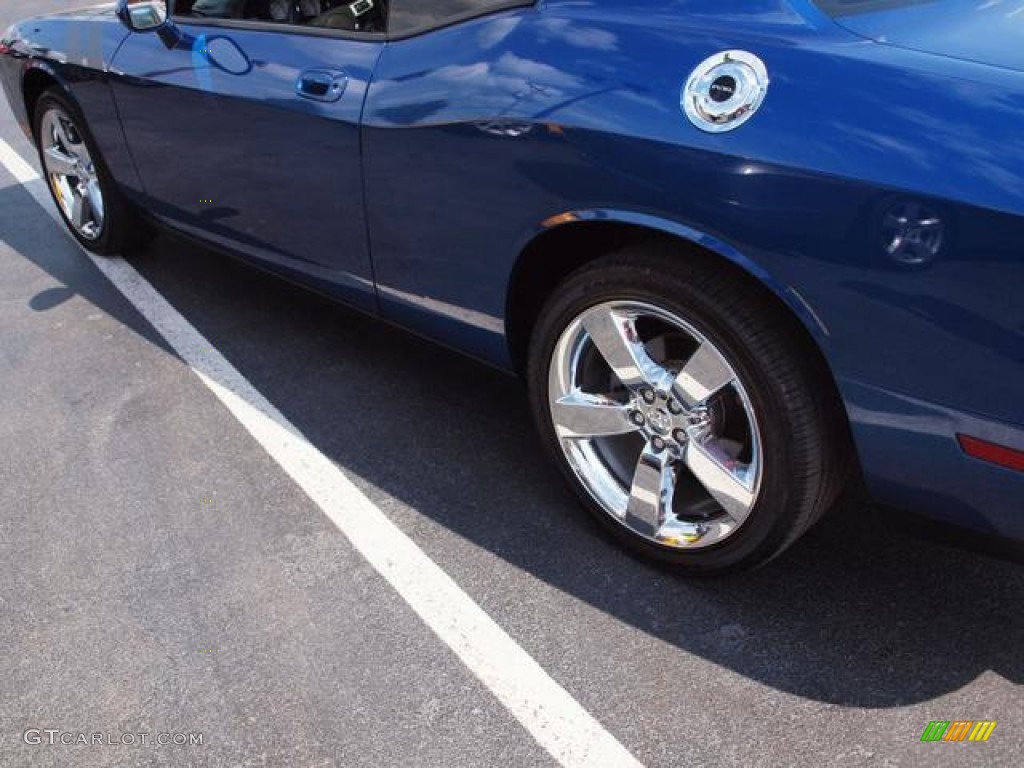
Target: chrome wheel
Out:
[72,174]
[655,423]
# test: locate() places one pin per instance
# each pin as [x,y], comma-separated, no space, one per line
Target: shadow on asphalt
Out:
[861,612]
[33,234]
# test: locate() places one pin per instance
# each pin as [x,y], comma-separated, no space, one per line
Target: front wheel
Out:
[86,195]
[683,411]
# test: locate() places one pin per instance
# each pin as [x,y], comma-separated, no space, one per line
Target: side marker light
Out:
[992,452]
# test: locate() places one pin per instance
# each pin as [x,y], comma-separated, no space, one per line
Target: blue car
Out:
[748,256]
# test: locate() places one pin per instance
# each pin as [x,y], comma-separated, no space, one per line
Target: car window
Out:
[349,15]
[407,17]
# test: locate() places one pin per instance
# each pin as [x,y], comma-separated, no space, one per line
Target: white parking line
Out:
[552,716]
[21,170]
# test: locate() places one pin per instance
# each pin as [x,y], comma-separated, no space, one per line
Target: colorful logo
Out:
[958,730]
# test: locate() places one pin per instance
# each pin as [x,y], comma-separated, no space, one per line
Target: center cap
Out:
[659,420]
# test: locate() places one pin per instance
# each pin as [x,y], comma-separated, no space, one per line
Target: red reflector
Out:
[997,454]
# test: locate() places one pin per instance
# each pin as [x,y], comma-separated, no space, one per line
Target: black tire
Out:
[804,438]
[122,230]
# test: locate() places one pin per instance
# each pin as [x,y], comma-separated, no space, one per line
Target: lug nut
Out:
[647,395]
[637,418]
[674,407]
[663,394]
[657,444]
[680,436]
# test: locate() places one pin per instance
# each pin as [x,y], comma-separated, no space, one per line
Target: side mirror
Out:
[143,15]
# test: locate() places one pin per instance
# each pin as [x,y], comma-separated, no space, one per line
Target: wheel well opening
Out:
[553,256]
[36,81]
[547,261]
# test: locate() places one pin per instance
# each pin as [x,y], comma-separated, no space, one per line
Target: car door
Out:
[455,136]
[245,132]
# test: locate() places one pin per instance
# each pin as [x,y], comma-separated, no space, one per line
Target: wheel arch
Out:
[567,241]
[36,80]
[570,240]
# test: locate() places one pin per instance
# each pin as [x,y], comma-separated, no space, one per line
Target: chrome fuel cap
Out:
[724,91]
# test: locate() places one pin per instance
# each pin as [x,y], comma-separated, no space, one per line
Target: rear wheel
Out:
[683,412]
[89,201]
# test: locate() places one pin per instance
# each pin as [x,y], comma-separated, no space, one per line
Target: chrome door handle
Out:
[321,84]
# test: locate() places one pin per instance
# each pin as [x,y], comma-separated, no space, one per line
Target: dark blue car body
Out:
[468,167]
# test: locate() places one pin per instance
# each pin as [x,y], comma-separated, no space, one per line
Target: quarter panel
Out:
[915,462]
[478,133]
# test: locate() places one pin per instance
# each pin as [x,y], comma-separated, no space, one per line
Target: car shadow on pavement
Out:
[27,229]
[859,613]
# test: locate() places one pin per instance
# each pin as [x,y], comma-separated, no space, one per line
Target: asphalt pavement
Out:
[160,573]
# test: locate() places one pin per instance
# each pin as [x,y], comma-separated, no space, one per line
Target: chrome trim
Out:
[724,91]
[678,450]
[321,84]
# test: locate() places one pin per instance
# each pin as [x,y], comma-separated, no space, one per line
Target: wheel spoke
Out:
[62,135]
[615,337]
[711,468]
[80,210]
[580,414]
[59,163]
[650,497]
[705,373]
[896,246]
[74,146]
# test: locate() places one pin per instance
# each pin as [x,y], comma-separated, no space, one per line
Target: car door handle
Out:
[321,84]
